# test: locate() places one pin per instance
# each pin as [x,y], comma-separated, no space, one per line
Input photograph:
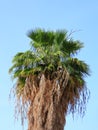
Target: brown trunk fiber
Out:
[46,110]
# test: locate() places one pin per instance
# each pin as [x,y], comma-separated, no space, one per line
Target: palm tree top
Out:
[53,53]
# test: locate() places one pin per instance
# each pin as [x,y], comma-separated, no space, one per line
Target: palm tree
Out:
[50,80]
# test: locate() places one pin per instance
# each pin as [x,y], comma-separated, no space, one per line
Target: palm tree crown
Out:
[52,53]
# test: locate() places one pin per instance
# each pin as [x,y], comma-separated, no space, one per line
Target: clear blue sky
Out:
[17,17]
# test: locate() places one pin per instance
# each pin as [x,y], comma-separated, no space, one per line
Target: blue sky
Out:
[17,17]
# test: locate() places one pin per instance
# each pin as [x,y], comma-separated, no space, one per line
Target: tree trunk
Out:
[46,110]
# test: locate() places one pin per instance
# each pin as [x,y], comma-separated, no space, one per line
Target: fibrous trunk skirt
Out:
[46,111]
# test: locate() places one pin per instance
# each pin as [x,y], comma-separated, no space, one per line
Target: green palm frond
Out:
[42,37]
[22,63]
[77,67]
[71,46]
